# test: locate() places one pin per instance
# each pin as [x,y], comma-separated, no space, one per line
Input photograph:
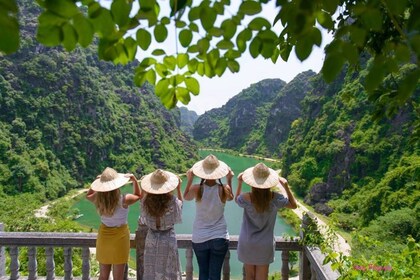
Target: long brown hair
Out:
[156,205]
[107,202]
[199,195]
[261,199]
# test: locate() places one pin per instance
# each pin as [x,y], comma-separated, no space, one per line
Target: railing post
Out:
[2,256]
[141,233]
[189,264]
[68,263]
[304,265]
[85,263]
[226,266]
[14,263]
[32,263]
[285,265]
[50,264]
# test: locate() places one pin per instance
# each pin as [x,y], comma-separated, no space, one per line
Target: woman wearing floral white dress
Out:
[160,211]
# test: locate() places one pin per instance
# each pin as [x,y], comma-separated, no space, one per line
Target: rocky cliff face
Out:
[188,119]
[256,120]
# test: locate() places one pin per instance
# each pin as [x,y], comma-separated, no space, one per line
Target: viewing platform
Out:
[310,259]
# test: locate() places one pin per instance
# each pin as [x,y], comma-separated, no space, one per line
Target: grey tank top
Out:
[209,220]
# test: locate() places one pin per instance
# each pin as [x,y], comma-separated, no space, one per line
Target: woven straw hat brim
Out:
[116,183]
[260,183]
[210,174]
[159,188]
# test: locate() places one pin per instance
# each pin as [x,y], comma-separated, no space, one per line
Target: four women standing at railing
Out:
[210,237]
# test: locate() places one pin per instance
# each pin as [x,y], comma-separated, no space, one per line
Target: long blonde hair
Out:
[107,202]
[261,199]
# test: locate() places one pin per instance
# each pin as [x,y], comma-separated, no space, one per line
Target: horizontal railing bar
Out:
[69,239]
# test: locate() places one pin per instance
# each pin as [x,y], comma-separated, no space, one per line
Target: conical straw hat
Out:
[109,180]
[260,176]
[159,182]
[210,168]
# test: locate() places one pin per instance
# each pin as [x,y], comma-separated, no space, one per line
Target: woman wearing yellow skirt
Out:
[113,242]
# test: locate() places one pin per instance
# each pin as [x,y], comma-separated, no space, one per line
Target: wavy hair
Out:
[261,199]
[107,202]
[156,205]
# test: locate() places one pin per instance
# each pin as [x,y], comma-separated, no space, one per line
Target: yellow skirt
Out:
[113,244]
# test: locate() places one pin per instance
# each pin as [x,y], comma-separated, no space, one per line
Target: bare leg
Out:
[104,270]
[261,272]
[249,272]
[118,271]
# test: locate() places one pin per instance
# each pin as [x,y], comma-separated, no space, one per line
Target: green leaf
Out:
[357,35]
[213,57]
[161,70]
[233,66]
[193,27]
[158,52]
[185,37]
[64,8]
[229,28]
[160,32]
[220,67]
[203,45]
[332,66]
[285,51]
[50,18]
[170,62]
[49,35]
[375,75]
[242,38]
[130,46]
[325,20]
[372,19]
[148,61]
[182,60]
[165,20]
[151,76]
[69,37]
[9,34]
[331,5]
[168,98]
[182,95]
[180,24]
[255,47]
[258,23]
[225,44]
[120,10]
[207,17]
[396,7]
[408,85]
[250,7]
[192,65]
[303,48]
[177,5]
[144,38]
[140,78]
[9,6]
[192,85]
[103,23]
[194,14]
[84,30]
[162,87]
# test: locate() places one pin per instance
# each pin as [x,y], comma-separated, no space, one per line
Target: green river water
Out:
[233,214]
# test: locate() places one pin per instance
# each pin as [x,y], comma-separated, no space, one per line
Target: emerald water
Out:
[233,213]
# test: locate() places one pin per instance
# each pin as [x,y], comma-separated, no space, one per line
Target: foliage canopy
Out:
[209,41]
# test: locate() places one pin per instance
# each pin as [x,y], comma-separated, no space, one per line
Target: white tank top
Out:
[119,218]
[209,220]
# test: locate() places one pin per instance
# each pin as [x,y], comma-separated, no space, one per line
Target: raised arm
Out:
[228,187]
[292,201]
[190,190]
[137,194]
[178,189]
[239,188]
[90,195]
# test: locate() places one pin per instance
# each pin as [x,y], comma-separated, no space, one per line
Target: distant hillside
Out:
[188,119]
[65,116]
[234,125]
